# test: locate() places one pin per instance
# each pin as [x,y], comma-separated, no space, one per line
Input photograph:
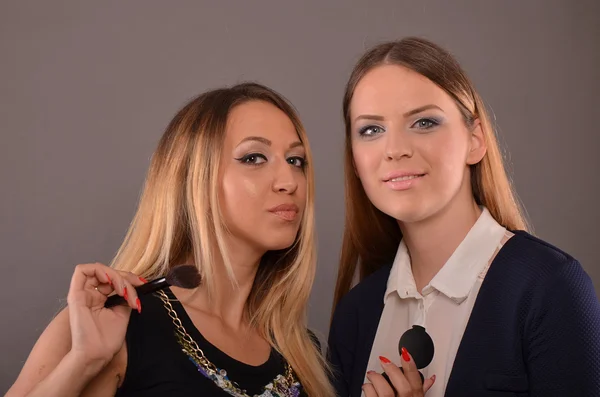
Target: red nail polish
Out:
[125,293]
[384,360]
[139,305]
[405,355]
[109,280]
[143,280]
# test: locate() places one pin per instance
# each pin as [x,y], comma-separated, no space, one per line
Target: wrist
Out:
[69,378]
[85,366]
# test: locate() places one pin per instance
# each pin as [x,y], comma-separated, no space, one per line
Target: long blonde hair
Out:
[178,217]
[371,237]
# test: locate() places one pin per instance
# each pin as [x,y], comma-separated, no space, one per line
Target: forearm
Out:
[68,379]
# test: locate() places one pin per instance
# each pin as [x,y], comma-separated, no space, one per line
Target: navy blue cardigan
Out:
[534,329]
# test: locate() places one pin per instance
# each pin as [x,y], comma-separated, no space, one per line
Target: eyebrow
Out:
[256,139]
[369,117]
[422,109]
[407,114]
[267,142]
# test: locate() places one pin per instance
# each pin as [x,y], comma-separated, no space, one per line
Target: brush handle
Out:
[144,289]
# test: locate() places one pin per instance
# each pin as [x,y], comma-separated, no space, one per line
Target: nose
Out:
[285,178]
[397,146]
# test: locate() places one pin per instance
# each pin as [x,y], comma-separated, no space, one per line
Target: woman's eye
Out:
[297,161]
[253,158]
[370,130]
[425,124]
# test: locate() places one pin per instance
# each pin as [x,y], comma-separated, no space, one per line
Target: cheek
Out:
[240,193]
[366,160]
[301,191]
[447,158]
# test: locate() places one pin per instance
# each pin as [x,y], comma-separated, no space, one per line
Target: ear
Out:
[477,147]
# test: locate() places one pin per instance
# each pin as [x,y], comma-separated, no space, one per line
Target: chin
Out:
[279,242]
[410,213]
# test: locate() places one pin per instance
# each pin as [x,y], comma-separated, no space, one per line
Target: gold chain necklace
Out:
[281,386]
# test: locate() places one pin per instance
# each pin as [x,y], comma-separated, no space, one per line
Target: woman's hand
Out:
[98,333]
[83,339]
[407,384]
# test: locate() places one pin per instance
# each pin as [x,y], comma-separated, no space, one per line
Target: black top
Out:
[534,330]
[157,366]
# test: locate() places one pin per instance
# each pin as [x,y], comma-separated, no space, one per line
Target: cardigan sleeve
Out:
[340,352]
[562,335]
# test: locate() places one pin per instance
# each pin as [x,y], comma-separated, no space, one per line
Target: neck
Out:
[431,242]
[229,301]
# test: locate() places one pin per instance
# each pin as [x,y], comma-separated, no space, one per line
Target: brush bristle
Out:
[183,276]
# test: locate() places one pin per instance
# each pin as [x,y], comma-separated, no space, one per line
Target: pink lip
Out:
[403,184]
[287,212]
[400,174]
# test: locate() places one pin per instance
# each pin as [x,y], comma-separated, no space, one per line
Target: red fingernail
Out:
[139,305]
[125,293]
[143,280]
[433,378]
[384,360]
[405,355]
[109,280]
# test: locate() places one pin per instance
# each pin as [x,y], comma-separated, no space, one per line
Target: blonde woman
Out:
[230,189]
[436,237]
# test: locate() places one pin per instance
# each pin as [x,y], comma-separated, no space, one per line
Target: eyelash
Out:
[298,158]
[248,159]
[363,130]
[430,123]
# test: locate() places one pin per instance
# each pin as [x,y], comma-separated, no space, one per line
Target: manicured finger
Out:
[369,390]
[91,275]
[90,284]
[428,383]
[124,288]
[104,278]
[104,289]
[132,278]
[133,281]
[396,376]
[411,373]
[381,386]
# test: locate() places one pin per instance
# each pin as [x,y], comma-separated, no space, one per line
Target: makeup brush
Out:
[182,276]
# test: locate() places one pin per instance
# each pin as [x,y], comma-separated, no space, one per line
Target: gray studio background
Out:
[86,89]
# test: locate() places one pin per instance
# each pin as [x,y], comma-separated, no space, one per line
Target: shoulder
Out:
[364,296]
[155,308]
[356,313]
[533,259]
[148,325]
[532,248]
[547,272]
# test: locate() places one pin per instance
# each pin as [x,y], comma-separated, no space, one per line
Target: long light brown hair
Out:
[179,217]
[371,238]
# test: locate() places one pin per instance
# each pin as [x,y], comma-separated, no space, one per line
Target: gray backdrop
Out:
[86,89]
